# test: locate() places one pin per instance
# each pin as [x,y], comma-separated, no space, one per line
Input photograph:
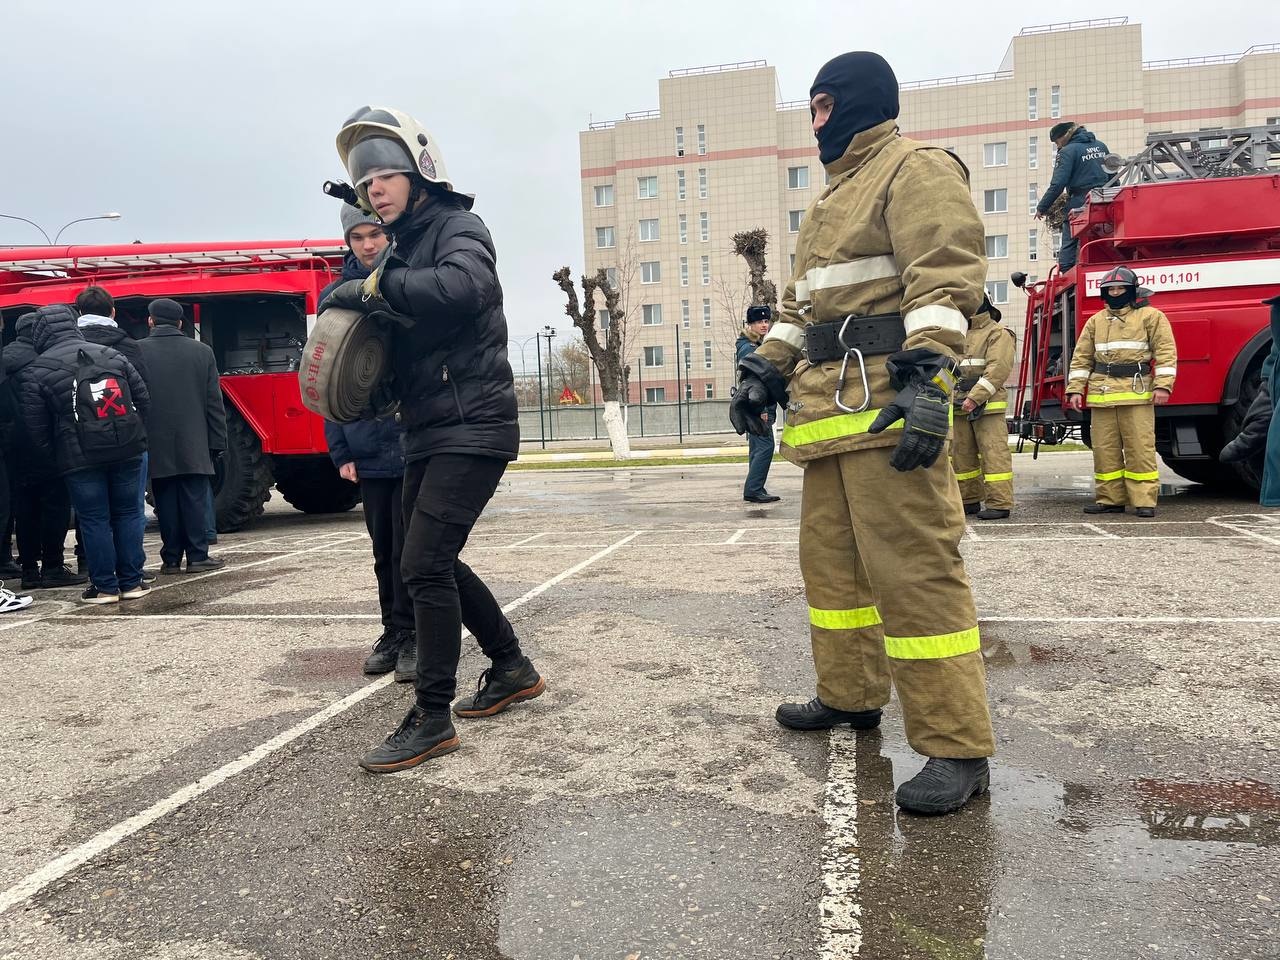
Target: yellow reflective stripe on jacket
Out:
[937,647]
[971,475]
[996,477]
[854,619]
[1101,399]
[1142,477]
[831,428]
[998,405]
[1113,475]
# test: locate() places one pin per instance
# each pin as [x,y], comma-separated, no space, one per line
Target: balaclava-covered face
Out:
[1122,300]
[865,90]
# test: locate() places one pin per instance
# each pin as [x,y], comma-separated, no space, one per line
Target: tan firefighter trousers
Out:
[1125,469]
[981,459]
[888,597]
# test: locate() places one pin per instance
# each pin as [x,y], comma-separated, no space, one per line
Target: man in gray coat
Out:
[188,432]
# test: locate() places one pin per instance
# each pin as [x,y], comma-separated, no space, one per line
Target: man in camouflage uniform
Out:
[889,267]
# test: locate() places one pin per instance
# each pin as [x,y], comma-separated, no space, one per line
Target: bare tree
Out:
[573,363]
[735,297]
[752,246]
[608,357]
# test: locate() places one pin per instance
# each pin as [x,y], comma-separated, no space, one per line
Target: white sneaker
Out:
[141,590]
[94,595]
[10,601]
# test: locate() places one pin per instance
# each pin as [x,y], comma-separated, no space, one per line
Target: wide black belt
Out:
[964,386]
[1120,369]
[872,336]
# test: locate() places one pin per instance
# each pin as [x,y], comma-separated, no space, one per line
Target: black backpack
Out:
[108,425]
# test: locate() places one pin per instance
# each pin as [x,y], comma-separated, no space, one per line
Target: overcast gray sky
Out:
[216,120]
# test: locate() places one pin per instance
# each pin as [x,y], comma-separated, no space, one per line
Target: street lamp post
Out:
[542,427]
[112,215]
[679,389]
[549,332]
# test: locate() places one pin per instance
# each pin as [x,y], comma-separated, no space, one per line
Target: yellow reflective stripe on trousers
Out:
[1113,475]
[831,428]
[997,477]
[1142,477]
[1105,398]
[854,619]
[971,475]
[937,647]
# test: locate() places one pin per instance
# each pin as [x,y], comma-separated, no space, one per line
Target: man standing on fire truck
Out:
[1113,358]
[889,267]
[980,452]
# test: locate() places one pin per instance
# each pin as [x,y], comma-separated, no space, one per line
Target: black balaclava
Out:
[866,94]
[1125,299]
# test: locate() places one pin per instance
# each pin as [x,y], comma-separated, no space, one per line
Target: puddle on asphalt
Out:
[999,653]
[326,667]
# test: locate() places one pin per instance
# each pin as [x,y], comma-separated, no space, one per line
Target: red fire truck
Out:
[1197,217]
[253,303]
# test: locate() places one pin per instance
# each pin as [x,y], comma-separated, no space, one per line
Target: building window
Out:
[684,271]
[797,178]
[709,390]
[602,319]
[1033,245]
[611,274]
[684,317]
[604,237]
[702,139]
[995,154]
[1055,241]
[655,394]
[1033,152]
[702,183]
[1033,196]
[706,271]
[1273,121]
[679,141]
[679,184]
[688,354]
[704,226]
[706,354]
[648,230]
[1032,110]
[650,271]
[793,263]
[683,223]
[651,314]
[604,195]
[1055,102]
[706,312]
[793,220]
[998,246]
[997,291]
[995,201]
[653,356]
[688,388]
[647,188]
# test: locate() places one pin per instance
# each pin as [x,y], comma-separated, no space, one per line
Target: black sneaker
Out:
[497,690]
[419,737]
[761,498]
[170,569]
[148,577]
[816,715]
[971,508]
[205,565]
[96,596]
[61,577]
[944,786]
[10,570]
[385,652]
[1104,508]
[1146,512]
[31,578]
[407,660]
[992,513]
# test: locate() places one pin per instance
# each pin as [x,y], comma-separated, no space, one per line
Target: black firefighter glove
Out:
[760,386]
[1251,441]
[925,381]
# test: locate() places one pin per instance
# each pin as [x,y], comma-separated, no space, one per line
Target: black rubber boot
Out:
[816,715]
[971,508]
[385,653]
[1146,512]
[499,689]
[407,659]
[419,737]
[1104,508]
[944,786]
[31,578]
[991,513]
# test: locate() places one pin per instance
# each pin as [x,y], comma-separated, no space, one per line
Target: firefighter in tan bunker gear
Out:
[889,266]
[980,437]
[1127,359]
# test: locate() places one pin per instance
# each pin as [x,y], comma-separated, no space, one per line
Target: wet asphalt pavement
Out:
[648,806]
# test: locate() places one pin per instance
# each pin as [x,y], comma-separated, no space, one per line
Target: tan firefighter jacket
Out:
[988,358]
[894,232]
[1128,335]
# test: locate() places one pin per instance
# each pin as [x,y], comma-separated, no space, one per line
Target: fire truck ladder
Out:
[1238,152]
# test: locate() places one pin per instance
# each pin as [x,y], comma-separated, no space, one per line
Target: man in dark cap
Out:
[1077,170]
[758,323]
[188,432]
[889,266]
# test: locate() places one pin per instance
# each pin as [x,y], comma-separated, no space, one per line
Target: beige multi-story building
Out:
[664,191]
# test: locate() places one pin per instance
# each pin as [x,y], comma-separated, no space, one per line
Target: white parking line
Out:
[1244,532]
[839,912]
[1097,529]
[32,884]
[736,536]
[109,617]
[521,543]
[1168,620]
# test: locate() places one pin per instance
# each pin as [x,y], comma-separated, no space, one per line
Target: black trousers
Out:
[6,513]
[443,498]
[42,510]
[384,519]
[180,508]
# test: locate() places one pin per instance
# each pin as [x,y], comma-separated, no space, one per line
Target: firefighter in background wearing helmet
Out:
[980,444]
[1113,359]
[889,267]
[436,290]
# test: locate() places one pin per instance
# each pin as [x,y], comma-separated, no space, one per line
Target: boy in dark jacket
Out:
[758,323]
[437,288]
[1077,170]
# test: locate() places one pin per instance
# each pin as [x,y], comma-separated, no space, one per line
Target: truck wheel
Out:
[242,478]
[1248,473]
[312,485]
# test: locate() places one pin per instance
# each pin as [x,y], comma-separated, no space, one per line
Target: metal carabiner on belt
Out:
[844,369]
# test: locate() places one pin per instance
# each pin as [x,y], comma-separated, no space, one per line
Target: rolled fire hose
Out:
[344,359]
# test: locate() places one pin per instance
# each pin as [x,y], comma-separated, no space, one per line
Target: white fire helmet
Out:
[375,141]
